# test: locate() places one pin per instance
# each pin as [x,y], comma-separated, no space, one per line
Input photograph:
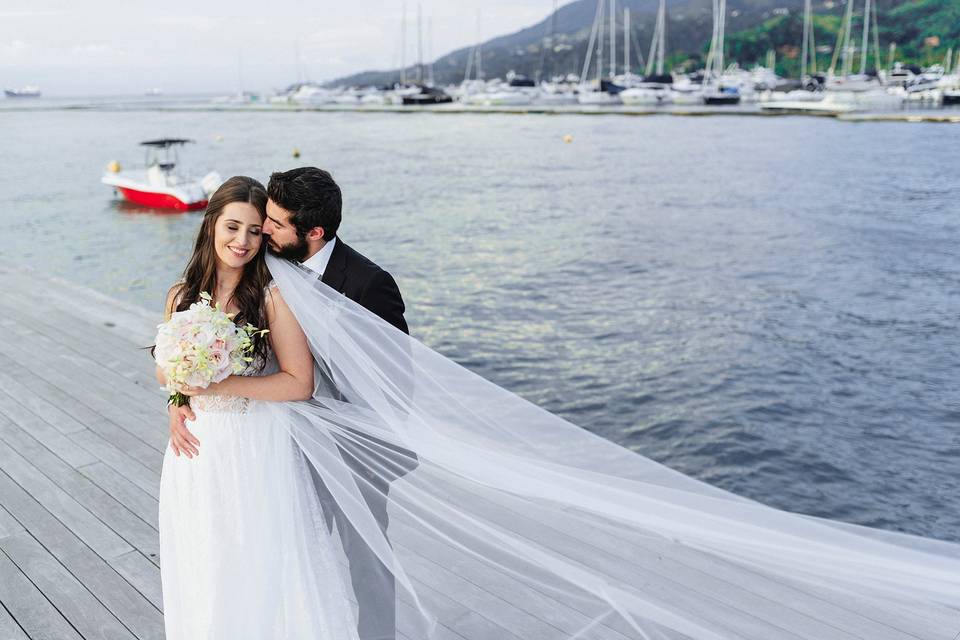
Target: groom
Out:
[303,216]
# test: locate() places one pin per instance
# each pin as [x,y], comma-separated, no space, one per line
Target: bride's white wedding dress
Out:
[244,552]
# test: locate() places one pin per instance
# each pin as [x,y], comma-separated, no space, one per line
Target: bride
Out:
[237,528]
[513,523]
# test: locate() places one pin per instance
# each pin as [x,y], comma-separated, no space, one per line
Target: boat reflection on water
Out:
[126,207]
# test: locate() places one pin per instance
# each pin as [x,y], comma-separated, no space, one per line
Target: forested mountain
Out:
[922,29]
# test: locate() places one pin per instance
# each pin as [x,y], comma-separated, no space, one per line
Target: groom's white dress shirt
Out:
[318,261]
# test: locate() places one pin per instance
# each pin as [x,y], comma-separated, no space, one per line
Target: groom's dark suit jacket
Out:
[361,280]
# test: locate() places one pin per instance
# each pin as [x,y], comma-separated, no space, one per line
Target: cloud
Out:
[345,36]
[29,14]
[13,50]
[197,44]
[195,22]
[96,51]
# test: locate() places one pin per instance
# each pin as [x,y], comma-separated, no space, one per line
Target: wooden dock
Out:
[82,435]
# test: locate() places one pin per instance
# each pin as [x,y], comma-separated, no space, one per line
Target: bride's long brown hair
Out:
[201,272]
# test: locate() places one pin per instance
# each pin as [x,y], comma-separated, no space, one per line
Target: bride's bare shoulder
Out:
[173,299]
[273,300]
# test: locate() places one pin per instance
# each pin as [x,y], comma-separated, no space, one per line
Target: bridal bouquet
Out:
[200,346]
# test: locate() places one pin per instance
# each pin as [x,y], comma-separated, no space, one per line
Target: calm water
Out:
[770,305]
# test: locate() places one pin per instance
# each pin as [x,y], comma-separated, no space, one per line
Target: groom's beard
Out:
[295,252]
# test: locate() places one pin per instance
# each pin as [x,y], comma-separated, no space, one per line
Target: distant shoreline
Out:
[918,115]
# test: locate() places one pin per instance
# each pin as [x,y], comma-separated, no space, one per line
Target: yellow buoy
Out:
[568,138]
[113,167]
[218,138]
[296,152]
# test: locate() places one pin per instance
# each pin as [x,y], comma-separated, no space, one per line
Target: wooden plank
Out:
[734,586]
[504,613]
[459,618]
[127,365]
[9,629]
[407,613]
[837,608]
[88,569]
[36,404]
[147,479]
[109,434]
[39,522]
[29,608]
[699,596]
[118,595]
[75,334]
[135,408]
[8,524]
[70,376]
[145,505]
[74,337]
[62,505]
[486,580]
[95,499]
[52,439]
[74,602]
[126,320]
[143,574]
[50,392]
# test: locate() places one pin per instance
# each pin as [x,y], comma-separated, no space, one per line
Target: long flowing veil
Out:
[489,517]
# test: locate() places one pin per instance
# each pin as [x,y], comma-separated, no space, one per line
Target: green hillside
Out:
[923,30]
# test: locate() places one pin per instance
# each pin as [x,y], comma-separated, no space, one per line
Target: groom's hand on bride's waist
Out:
[181,440]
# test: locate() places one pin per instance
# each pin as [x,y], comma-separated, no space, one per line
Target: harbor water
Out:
[771,305]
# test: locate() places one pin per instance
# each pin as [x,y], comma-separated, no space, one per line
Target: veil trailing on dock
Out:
[490,518]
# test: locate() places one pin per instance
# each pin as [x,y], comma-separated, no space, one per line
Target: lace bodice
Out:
[234,404]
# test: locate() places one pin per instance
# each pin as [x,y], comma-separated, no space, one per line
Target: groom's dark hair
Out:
[312,198]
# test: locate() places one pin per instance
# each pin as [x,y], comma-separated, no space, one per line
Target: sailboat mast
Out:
[722,34]
[403,44]
[711,64]
[593,37]
[806,40]
[652,56]
[626,41]
[865,44]
[600,44]
[419,44]
[876,45]
[662,41]
[613,38]
[813,46]
[845,51]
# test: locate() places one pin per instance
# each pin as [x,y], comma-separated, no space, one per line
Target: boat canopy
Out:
[165,142]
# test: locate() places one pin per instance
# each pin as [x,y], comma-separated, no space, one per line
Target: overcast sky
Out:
[85,47]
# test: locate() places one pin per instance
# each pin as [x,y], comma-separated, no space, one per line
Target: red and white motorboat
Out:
[159,186]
